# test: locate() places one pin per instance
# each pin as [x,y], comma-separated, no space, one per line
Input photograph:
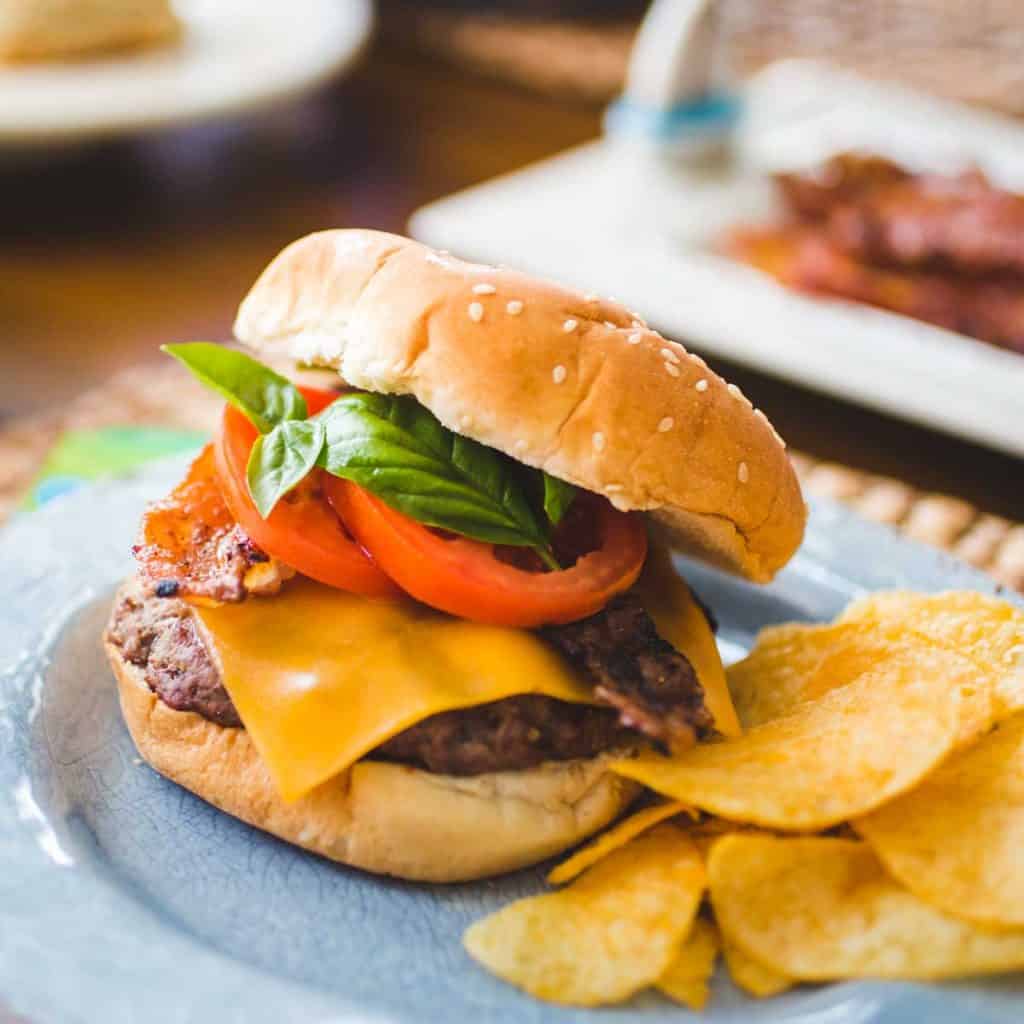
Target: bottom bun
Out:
[387,818]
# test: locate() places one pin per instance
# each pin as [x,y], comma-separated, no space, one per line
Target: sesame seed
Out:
[476,312]
[613,488]
[665,425]
[465,421]
[590,297]
[638,323]
[768,423]
[484,289]
[611,326]
[667,353]
[520,445]
[598,440]
[743,473]
[558,374]
[737,394]
[671,369]
[701,385]
[570,325]
[696,359]
[514,308]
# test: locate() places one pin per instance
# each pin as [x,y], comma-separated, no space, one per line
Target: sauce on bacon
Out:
[190,545]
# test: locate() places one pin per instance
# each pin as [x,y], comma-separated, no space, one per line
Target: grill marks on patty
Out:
[649,686]
[652,686]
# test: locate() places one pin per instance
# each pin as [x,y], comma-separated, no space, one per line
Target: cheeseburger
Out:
[412,619]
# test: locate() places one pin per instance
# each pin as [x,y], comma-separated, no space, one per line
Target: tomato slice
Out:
[465,577]
[303,530]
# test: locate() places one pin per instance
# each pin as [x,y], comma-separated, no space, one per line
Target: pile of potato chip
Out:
[868,823]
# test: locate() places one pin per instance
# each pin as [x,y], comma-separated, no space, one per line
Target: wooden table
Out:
[107,252]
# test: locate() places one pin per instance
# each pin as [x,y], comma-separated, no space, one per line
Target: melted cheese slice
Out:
[321,677]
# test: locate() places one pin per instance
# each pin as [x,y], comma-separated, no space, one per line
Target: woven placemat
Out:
[160,395]
[968,52]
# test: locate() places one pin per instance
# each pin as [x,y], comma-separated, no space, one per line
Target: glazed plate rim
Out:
[218,68]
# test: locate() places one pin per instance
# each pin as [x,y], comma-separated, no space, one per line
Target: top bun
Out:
[570,383]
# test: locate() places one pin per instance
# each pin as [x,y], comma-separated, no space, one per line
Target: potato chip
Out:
[753,977]
[984,628]
[777,674]
[710,827]
[828,760]
[820,909]
[974,685]
[614,931]
[795,663]
[686,980]
[957,839]
[617,836]
[706,832]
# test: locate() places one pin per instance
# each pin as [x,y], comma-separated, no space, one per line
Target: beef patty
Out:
[159,635]
[651,689]
[653,686]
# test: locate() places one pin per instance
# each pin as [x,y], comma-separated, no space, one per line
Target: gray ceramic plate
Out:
[124,898]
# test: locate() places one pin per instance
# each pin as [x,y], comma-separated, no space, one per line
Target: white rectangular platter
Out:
[615,218]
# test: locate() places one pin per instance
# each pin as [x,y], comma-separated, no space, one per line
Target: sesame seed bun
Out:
[570,383]
[386,818]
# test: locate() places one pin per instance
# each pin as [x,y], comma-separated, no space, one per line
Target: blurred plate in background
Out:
[235,56]
[610,218]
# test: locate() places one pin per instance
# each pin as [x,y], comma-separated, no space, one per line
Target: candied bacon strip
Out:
[807,260]
[881,213]
[961,223]
[812,195]
[190,545]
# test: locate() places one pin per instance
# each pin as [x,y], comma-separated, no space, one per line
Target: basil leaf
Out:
[394,448]
[280,459]
[265,397]
[558,496]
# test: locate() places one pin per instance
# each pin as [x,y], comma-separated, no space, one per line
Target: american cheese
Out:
[321,677]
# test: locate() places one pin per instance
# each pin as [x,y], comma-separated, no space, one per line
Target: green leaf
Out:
[280,459]
[558,496]
[397,450]
[265,397]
